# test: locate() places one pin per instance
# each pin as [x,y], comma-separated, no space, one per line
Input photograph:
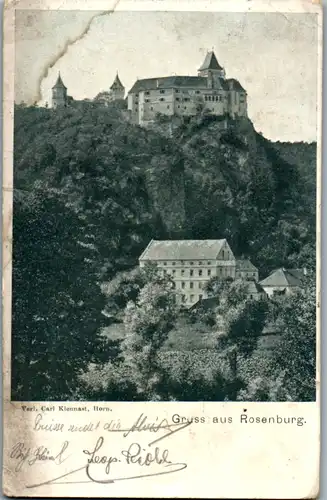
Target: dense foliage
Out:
[91,191]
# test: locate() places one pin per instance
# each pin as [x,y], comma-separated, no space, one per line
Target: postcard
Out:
[161,272]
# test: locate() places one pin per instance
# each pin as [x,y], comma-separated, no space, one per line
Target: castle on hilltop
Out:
[210,90]
[185,95]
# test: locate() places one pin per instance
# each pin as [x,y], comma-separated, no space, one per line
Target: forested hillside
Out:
[91,191]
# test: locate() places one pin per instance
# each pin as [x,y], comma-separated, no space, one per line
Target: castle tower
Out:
[59,94]
[211,70]
[117,89]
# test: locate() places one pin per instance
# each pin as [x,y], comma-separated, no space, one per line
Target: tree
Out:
[298,320]
[242,321]
[57,303]
[148,322]
[217,286]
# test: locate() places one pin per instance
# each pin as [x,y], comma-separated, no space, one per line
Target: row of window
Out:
[221,271]
[162,91]
[217,98]
[191,272]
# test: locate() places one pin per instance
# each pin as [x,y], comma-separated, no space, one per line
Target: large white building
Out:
[185,95]
[191,264]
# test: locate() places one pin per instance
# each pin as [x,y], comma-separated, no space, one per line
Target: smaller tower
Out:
[117,89]
[211,70]
[59,94]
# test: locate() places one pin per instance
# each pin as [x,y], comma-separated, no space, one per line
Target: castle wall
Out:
[185,101]
[237,103]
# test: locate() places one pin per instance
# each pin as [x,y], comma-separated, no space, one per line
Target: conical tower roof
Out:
[59,83]
[117,84]
[210,62]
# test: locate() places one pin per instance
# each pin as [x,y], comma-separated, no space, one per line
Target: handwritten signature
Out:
[99,466]
[23,454]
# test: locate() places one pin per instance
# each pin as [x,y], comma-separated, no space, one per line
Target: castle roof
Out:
[117,84]
[59,83]
[235,85]
[210,62]
[283,277]
[168,82]
[182,249]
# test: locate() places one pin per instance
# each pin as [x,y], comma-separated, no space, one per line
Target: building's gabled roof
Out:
[298,273]
[182,250]
[210,62]
[117,84]
[252,287]
[169,82]
[235,85]
[209,303]
[245,265]
[59,83]
[281,277]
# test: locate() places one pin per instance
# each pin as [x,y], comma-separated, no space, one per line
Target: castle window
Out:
[200,285]
[206,98]
[191,298]
[147,100]
[197,92]
[174,263]
[165,263]
[200,263]
[162,91]
[177,99]
[161,99]
[183,284]
[191,263]
[208,263]
[191,272]
[200,272]
[151,108]
[168,106]
[177,91]
[178,106]
[147,93]
[216,98]
[184,107]
[186,99]
[174,272]
[182,272]
[209,272]
[191,284]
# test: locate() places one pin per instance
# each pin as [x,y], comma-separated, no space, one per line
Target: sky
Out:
[273,55]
